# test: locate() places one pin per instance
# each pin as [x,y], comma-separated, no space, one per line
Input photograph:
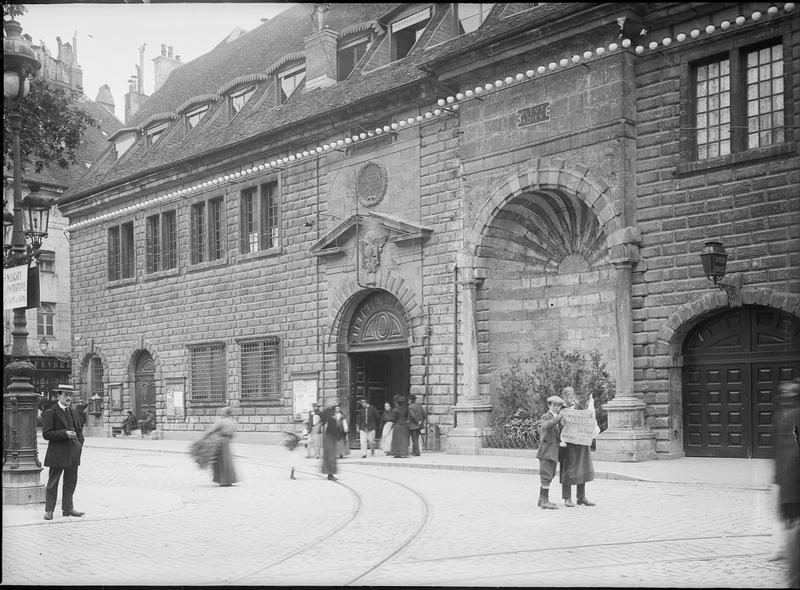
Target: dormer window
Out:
[193,117]
[407,31]
[288,82]
[349,55]
[151,134]
[471,16]
[239,98]
[123,143]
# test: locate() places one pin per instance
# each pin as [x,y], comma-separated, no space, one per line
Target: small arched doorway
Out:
[733,364]
[144,387]
[378,354]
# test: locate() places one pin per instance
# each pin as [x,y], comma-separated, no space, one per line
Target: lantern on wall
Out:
[714,259]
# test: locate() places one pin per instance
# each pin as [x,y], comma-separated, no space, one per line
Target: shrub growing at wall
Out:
[527,383]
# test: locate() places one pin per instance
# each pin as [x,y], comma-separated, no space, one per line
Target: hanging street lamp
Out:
[21,466]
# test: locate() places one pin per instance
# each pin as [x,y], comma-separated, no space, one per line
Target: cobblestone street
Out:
[154,518]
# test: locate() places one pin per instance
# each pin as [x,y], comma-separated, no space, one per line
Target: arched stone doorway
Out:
[377,354]
[144,388]
[733,364]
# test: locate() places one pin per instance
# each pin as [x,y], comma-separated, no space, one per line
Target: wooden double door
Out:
[377,377]
[733,366]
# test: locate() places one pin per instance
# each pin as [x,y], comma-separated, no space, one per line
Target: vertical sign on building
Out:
[15,287]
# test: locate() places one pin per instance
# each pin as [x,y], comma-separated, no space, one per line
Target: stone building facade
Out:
[481,185]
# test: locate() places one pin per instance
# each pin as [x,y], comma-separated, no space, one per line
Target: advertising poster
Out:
[580,427]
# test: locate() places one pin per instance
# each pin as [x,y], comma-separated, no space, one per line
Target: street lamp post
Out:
[21,465]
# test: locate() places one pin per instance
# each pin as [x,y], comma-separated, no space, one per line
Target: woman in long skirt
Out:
[225,428]
[389,416]
[343,445]
[400,432]
[330,440]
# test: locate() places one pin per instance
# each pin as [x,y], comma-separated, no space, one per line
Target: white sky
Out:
[110,34]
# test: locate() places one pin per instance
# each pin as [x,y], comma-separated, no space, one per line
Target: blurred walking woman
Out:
[400,433]
[217,440]
[389,416]
[331,435]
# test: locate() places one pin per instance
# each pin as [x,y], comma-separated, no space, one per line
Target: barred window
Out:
[208,373]
[208,238]
[259,218]
[261,377]
[162,242]
[120,251]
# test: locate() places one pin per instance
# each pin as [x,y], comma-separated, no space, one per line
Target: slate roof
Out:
[254,53]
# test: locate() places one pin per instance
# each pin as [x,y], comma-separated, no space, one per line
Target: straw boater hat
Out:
[65,388]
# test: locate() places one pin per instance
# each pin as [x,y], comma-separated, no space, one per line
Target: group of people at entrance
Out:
[400,425]
[575,459]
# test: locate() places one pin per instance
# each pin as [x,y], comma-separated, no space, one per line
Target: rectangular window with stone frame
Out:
[738,99]
[45,319]
[259,212]
[260,370]
[161,242]
[121,254]
[207,230]
[208,371]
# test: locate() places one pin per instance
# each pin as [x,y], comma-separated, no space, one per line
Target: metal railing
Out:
[513,437]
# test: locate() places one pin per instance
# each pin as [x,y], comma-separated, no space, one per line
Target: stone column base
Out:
[472,421]
[625,445]
[627,438]
[23,488]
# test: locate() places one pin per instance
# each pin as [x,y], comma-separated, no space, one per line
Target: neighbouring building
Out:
[361,200]
[49,325]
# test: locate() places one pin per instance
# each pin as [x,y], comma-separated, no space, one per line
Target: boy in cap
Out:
[549,438]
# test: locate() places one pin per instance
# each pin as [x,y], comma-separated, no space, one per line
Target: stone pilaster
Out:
[472,415]
[627,437]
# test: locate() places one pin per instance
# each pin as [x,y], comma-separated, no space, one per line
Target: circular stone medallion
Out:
[371,184]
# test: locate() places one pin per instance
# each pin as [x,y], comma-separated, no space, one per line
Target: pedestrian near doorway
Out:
[549,439]
[367,422]
[331,434]
[416,422]
[400,432]
[389,416]
[314,426]
[576,460]
[63,430]
[129,423]
[343,445]
[786,434]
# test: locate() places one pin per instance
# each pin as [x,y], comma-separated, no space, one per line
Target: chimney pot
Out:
[169,54]
[163,49]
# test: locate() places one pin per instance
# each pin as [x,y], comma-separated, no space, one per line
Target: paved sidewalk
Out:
[121,502]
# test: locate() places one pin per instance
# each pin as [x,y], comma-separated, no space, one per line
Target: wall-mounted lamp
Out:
[43,345]
[715,259]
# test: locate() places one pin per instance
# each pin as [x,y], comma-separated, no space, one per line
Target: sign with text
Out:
[580,427]
[15,287]
[532,115]
[174,388]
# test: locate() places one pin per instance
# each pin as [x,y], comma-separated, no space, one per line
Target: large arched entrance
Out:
[378,354]
[733,364]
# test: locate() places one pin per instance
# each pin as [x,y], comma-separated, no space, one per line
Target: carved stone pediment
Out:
[390,229]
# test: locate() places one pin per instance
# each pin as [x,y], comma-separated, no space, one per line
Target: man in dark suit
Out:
[63,430]
[416,421]
[367,422]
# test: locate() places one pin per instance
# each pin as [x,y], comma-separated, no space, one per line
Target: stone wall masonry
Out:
[750,206]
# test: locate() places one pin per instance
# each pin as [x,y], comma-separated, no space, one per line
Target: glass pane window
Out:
[47,261]
[238,99]
[207,373]
[349,56]
[161,248]
[153,133]
[193,117]
[207,231]
[407,31]
[260,374]
[45,319]
[120,250]
[289,81]
[259,218]
[765,96]
[712,91]
[471,16]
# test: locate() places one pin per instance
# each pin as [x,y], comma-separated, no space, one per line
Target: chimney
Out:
[135,96]
[163,66]
[105,99]
[320,49]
